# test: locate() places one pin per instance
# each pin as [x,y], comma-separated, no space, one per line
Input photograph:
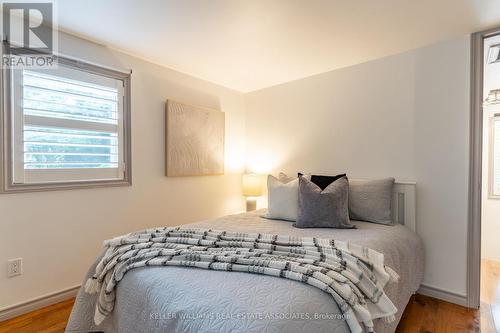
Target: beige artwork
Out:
[194,140]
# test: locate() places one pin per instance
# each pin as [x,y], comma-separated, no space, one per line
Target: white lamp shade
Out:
[252,185]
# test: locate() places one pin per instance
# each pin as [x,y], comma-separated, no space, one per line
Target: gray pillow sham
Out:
[371,200]
[323,209]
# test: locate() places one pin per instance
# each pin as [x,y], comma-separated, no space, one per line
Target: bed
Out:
[173,299]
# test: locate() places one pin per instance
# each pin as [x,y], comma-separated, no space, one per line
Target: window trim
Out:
[491,156]
[6,146]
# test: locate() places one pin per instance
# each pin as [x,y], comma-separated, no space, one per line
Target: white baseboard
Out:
[37,303]
[444,295]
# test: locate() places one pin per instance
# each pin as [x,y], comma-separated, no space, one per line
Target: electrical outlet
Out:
[14,267]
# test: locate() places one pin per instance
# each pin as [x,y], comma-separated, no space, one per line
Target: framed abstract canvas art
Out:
[194,140]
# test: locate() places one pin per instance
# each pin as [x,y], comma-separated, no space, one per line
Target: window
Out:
[67,127]
[494,54]
[495,157]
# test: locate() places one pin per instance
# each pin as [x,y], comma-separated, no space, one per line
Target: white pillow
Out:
[282,197]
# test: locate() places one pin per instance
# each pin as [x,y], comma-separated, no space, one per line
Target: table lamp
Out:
[252,188]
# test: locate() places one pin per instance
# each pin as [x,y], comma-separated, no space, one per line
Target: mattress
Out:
[176,299]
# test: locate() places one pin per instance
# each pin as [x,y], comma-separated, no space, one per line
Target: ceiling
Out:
[252,44]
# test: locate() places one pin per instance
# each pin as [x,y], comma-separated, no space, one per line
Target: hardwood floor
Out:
[425,314]
[429,315]
[50,319]
[490,295]
[422,315]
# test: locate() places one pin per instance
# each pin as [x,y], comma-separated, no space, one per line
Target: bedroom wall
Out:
[58,234]
[405,116]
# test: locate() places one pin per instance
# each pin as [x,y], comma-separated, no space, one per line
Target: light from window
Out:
[56,148]
[67,126]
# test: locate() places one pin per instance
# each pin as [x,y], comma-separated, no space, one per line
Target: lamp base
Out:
[251,204]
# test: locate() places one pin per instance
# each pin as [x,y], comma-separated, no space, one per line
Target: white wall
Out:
[490,219]
[405,116]
[58,234]
[442,112]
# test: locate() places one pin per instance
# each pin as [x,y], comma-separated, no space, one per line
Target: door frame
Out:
[475,166]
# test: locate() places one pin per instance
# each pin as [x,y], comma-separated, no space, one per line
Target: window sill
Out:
[27,188]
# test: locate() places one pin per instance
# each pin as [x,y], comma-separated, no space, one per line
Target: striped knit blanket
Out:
[353,275]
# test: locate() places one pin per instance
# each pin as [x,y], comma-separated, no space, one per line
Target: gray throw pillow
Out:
[323,209]
[371,200]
